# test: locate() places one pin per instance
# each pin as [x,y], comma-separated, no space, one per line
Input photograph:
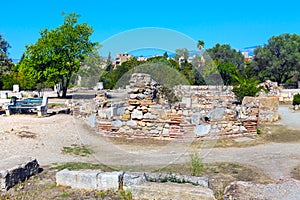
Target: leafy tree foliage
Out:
[278,60]
[90,70]
[5,61]
[6,65]
[226,71]
[58,53]
[225,54]
[296,99]
[160,67]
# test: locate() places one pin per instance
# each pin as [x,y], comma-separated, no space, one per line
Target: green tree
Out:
[5,61]
[6,65]
[225,54]
[226,71]
[90,70]
[278,60]
[58,53]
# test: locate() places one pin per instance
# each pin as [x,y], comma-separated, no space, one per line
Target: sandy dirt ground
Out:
[45,137]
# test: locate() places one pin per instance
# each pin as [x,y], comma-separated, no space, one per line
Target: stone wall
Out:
[16,169]
[203,111]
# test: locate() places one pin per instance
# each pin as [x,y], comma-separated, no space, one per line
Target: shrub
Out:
[296,99]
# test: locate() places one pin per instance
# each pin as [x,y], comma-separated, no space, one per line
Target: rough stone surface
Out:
[133,178]
[136,114]
[161,177]
[170,191]
[16,169]
[283,189]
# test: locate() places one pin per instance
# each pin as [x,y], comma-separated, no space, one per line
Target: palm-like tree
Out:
[200,44]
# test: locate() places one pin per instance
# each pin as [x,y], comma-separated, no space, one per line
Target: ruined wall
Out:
[203,111]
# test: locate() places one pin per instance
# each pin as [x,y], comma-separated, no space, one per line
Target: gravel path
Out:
[48,135]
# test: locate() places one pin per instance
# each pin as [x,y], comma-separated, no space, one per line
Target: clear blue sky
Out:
[239,23]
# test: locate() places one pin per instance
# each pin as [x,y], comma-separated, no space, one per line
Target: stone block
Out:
[109,180]
[131,123]
[16,169]
[126,116]
[137,114]
[86,179]
[168,191]
[202,130]
[117,123]
[133,178]
[89,179]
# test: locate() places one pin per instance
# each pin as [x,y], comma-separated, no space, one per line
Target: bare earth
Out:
[44,138]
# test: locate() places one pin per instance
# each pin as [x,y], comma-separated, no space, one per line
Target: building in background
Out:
[121,58]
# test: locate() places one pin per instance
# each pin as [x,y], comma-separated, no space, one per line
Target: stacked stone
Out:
[271,88]
[142,92]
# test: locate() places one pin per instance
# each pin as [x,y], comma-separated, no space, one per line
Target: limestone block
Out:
[131,123]
[132,178]
[202,130]
[109,180]
[149,116]
[168,191]
[89,179]
[86,179]
[137,114]
[117,123]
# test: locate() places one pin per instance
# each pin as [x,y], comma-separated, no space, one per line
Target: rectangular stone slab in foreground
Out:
[16,169]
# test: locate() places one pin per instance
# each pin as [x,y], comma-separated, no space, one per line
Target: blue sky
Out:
[239,23]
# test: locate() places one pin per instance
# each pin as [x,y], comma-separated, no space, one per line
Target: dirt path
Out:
[48,135]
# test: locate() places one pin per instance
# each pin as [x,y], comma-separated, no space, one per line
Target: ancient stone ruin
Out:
[16,169]
[202,111]
[143,185]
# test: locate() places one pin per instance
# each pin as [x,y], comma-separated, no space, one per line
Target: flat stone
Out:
[131,123]
[89,179]
[201,130]
[132,178]
[166,191]
[137,114]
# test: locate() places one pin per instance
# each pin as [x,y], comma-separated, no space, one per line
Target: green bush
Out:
[296,99]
